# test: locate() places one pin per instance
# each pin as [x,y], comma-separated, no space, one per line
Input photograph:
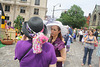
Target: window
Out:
[37,2]
[6,17]
[7,0]
[7,8]
[22,9]
[36,11]
[98,23]
[24,0]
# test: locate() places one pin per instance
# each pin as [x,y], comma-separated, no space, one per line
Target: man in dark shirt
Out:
[96,33]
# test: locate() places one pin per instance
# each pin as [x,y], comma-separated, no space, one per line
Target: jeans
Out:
[81,36]
[86,50]
[71,40]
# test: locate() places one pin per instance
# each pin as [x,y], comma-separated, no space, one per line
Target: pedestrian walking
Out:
[56,30]
[68,43]
[96,33]
[71,32]
[98,53]
[74,34]
[89,47]
[81,35]
[36,51]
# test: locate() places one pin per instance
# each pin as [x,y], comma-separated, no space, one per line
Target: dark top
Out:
[58,45]
[96,34]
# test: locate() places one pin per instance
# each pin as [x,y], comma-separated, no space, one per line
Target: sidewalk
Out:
[7,56]
[74,56]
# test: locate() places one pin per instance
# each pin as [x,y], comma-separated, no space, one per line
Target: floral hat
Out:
[34,29]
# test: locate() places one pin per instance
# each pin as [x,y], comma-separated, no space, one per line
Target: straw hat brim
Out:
[64,30]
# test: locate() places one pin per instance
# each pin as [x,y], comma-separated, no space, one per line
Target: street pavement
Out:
[74,56]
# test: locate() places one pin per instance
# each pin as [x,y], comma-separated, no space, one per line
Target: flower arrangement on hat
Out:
[38,41]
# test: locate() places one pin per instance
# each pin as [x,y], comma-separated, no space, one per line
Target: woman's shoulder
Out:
[59,41]
[47,44]
[23,42]
[47,47]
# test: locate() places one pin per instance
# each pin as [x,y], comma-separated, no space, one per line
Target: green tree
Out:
[98,27]
[18,23]
[86,25]
[73,17]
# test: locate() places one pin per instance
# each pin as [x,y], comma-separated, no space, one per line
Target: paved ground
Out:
[74,56]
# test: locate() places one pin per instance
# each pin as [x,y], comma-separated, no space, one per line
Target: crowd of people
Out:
[46,45]
[90,40]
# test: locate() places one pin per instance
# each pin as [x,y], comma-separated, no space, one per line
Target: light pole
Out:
[0,18]
[54,9]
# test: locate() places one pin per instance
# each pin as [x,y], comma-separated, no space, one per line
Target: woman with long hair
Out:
[89,47]
[58,41]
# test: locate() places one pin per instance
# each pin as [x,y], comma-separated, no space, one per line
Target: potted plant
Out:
[8,40]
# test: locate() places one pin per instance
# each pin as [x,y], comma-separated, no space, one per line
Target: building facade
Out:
[95,17]
[24,8]
[88,19]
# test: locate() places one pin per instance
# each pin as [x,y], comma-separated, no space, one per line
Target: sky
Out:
[86,5]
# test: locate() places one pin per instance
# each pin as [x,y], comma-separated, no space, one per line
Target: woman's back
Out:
[31,59]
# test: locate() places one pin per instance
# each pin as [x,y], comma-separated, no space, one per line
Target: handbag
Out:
[96,44]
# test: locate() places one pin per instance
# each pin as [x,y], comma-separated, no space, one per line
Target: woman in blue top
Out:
[89,47]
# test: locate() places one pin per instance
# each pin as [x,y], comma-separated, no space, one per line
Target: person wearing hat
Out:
[56,31]
[35,51]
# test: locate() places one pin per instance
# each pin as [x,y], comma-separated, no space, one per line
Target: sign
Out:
[3,17]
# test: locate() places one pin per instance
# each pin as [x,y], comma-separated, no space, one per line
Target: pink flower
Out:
[43,39]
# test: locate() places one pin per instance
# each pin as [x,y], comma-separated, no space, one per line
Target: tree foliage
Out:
[18,23]
[98,27]
[73,17]
[86,25]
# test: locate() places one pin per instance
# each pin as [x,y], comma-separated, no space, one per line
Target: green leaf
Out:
[73,17]
[17,23]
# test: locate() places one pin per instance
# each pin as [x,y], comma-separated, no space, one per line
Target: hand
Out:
[24,37]
[91,41]
[99,42]
[88,41]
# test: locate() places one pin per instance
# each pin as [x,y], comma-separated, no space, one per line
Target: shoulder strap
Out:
[93,37]
[25,53]
[88,36]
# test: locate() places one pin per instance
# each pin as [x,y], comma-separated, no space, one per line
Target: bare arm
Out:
[52,65]
[63,55]
[85,39]
[95,40]
[63,40]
